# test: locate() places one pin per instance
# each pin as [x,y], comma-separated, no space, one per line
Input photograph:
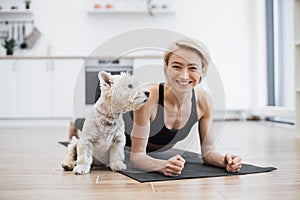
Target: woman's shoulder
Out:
[202,93]
[153,89]
[203,98]
[150,106]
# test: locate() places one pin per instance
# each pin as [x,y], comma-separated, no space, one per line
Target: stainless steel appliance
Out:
[92,68]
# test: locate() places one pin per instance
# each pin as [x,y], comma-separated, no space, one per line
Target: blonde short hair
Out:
[189,44]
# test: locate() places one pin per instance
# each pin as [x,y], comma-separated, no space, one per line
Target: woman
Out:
[172,109]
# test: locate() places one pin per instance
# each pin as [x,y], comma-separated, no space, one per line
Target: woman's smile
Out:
[183,83]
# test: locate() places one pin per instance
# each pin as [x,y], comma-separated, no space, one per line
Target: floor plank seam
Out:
[97,180]
[224,197]
[152,187]
[55,171]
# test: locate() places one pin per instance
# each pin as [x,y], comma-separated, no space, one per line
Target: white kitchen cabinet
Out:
[37,88]
[33,86]
[64,75]
[8,87]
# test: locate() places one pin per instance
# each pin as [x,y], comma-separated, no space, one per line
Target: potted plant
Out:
[9,45]
[27,4]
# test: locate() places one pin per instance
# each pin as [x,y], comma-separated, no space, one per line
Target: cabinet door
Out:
[8,105]
[64,74]
[33,88]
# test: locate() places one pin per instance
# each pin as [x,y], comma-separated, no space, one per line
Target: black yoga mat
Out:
[194,167]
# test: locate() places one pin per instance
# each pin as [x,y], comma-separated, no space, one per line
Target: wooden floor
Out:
[30,161]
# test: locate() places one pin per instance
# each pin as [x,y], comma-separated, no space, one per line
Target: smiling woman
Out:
[173,108]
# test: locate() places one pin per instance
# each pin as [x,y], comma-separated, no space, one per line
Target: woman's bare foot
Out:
[72,130]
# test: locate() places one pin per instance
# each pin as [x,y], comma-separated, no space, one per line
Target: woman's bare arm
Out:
[232,163]
[139,140]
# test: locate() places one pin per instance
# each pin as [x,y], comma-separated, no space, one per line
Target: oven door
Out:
[92,80]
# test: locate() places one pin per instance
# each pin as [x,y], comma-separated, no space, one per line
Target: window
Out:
[280,53]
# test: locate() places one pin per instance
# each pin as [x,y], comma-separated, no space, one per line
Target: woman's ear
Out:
[165,67]
[204,69]
[202,74]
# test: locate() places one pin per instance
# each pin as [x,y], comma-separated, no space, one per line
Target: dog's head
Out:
[121,92]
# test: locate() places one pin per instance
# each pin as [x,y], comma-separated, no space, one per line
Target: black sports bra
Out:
[160,135]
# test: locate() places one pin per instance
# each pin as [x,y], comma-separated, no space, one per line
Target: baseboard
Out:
[270,113]
[274,112]
[16,123]
[240,115]
[281,120]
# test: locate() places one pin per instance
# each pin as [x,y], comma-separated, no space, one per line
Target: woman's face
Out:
[184,70]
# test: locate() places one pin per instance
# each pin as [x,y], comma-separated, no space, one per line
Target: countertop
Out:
[75,57]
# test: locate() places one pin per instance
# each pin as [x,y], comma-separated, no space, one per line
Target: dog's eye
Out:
[130,86]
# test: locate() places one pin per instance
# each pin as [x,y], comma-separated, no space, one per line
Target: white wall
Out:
[234,31]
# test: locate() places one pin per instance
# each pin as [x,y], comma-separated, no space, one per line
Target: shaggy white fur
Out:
[102,138]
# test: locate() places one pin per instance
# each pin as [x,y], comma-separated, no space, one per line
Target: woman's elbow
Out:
[135,159]
[132,159]
[205,160]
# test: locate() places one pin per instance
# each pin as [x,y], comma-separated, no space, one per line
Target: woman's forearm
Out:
[146,163]
[215,159]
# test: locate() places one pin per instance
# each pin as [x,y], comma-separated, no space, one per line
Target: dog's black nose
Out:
[147,93]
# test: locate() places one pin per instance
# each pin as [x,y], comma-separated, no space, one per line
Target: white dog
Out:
[103,134]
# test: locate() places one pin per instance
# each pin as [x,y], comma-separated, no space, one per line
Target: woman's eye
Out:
[175,66]
[193,69]
[130,86]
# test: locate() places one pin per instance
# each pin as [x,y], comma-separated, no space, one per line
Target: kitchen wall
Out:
[233,30]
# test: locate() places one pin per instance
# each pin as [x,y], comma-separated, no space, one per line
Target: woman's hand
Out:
[173,166]
[233,163]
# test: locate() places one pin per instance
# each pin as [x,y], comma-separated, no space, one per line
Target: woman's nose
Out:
[184,73]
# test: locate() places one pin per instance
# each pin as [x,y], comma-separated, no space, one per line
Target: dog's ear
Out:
[105,79]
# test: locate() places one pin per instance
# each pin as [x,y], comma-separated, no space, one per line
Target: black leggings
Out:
[79,123]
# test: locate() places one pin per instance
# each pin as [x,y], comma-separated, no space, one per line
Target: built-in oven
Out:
[92,68]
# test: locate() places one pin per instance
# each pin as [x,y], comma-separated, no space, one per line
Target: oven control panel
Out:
[92,68]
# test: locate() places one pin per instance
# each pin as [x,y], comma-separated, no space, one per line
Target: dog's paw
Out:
[118,166]
[68,166]
[81,169]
